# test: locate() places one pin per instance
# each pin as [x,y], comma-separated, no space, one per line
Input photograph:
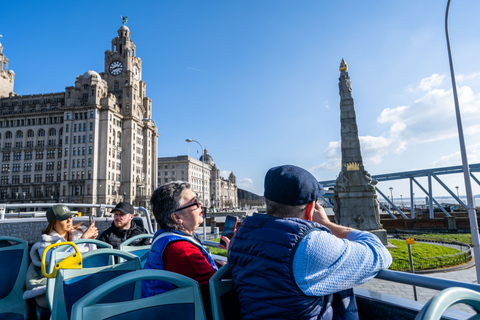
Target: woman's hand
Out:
[91,232]
[227,243]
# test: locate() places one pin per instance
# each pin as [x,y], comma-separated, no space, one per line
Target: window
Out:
[30,144]
[8,145]
[28,155]
[75,128]
[5,168]
[89,150]
[16,180]
[89,162]
[68,114]
[27,167]
[38,166]
[41,133]
[67,128]
[17,156]
[18,144]
[8,135]
[19,134]
[52,132]
[91,126]
[16,167]
[74,151]
[59,165]
[49,177]
[84,127]
[83,151]
[39,155]
[74,140]
[91,138]
[41,143]
[30,133]
[51,154]
[50,166]
[91,114]
[38,178]
[6,156]
[4,180]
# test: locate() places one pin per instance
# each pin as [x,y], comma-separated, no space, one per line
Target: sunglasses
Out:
[190,205]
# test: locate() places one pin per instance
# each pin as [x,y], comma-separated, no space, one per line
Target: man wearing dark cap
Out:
[123,227]
[293,263]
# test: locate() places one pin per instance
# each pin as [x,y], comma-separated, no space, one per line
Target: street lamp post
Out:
[203,187]
[466,170]
[391,194]
[457,192]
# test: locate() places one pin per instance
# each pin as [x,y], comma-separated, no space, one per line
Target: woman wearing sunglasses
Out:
[176,247]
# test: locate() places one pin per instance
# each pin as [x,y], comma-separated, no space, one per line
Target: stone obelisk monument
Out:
[355,199]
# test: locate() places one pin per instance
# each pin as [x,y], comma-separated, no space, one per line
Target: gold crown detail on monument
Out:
[352,166]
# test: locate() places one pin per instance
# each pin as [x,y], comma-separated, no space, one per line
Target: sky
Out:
[256,81]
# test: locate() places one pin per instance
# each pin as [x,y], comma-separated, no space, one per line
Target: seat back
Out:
[184,302]
[13,269]
[434,308]
[140,251]
[223,297]
[72,284]
[59,254]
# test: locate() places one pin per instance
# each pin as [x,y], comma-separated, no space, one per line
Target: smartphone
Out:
[229,228]
[90,219]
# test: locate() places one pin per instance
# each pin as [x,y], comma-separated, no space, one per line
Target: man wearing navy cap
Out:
[293,263]
[123,227]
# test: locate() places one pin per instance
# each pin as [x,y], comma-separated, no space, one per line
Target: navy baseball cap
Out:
[291,185]
[124,207]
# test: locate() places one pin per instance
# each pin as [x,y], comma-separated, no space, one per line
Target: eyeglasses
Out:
[190,205]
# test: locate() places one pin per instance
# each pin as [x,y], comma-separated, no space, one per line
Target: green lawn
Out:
[459,237]
[425,256]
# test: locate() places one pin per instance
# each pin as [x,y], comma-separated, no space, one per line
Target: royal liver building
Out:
[93,143]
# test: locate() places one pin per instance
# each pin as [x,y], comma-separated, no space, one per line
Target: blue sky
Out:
[256,81]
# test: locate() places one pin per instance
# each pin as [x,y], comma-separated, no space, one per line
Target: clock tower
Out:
[123,74]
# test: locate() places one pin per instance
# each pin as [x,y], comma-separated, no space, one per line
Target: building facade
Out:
[94,143]
[219,192]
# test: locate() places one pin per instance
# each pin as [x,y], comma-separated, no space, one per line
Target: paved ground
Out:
[406,291]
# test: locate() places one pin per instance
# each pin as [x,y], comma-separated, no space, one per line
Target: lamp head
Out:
[188,140]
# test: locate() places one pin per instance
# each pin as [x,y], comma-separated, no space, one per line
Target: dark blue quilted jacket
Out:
[261,259]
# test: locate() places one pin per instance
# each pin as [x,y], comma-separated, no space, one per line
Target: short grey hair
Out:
[165,200]
[284,211]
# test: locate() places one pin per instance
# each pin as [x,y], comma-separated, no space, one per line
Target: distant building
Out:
[219,192]
[93,143]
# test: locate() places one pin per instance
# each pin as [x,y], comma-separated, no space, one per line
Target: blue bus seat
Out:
[140,251]
[223,297]
[183,302]
[72,284]
[434,308]
[13,269]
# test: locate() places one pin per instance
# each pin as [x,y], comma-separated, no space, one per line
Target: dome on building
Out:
[208,158]
[124,27]
[90,73]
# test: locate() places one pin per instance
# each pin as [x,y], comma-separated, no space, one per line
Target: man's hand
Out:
[320,216]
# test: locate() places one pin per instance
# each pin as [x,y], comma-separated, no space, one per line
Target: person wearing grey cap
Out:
[293,263]
[60,229]
[123,227]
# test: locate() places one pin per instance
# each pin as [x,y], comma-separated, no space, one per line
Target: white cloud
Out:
[224,174]
[454,159]
[431,118]
[245,183]
[433,81]
[428,83]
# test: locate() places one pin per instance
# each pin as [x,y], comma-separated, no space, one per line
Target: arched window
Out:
[8,135]
[30,133]
[19,134]
[41,133]
[52,132]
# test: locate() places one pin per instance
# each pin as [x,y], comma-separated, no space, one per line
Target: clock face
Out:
[115,68]
[136,72]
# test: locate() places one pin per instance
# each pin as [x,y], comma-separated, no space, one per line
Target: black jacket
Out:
[115,236]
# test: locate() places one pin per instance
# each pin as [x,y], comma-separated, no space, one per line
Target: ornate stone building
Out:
[93,143]
[219,192]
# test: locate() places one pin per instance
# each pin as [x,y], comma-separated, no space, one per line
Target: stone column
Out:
[355,198]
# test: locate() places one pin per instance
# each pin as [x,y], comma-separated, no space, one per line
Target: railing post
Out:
[2,211]
[102,210]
